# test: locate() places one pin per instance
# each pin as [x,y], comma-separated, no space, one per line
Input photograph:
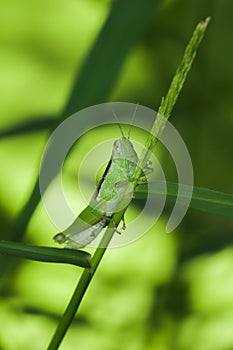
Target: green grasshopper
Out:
[114,192]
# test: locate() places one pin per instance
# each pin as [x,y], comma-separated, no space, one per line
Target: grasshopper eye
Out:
[117,146]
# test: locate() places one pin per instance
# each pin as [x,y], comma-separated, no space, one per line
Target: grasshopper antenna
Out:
[119,124]
[131,122]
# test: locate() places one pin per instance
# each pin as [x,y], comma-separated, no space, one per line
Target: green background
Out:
[164,291]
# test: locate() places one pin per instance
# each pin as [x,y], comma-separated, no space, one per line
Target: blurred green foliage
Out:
[162,292]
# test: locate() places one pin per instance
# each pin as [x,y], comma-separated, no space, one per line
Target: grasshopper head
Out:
[123,148]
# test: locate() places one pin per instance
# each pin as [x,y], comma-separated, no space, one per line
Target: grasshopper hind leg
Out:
[123,225]
[110,219]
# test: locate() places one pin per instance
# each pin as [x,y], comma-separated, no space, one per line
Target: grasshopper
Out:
[114,192]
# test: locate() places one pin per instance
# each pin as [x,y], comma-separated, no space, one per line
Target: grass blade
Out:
[203,199]
[86,277]
[46,254]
